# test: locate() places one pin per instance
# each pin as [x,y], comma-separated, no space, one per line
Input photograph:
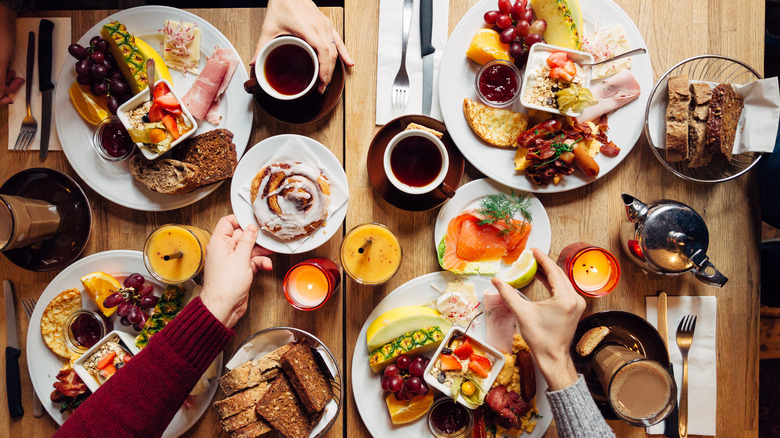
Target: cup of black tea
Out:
[416,162]
[286,68]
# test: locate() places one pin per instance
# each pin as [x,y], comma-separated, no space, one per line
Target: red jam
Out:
[115,140]
[86,330]
[498,83]
[449,418]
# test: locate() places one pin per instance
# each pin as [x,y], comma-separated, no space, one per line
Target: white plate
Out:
[44,365]
[366,384]
[254,161]
[113,180]
[469,196]
[626,124]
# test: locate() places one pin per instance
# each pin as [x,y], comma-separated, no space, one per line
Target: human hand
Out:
[9,82]
[301,18]
[232,259]
[548,326]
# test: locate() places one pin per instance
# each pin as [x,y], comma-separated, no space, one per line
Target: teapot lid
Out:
[674,237]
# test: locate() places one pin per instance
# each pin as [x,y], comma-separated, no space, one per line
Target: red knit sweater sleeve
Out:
[144,395]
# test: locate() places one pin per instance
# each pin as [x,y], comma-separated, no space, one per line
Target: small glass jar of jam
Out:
[448,419]
[112,141]
[83,329]
[498,83]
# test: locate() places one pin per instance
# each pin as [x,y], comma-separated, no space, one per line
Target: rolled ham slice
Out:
[501,322]
[612,93]
[203,98]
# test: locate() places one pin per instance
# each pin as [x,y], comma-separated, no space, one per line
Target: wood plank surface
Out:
[592,214]
[116,227]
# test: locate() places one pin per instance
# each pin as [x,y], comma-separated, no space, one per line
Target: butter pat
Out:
[181,46]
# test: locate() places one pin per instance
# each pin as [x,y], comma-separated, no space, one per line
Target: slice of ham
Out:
[612,93]
[203,98]
[501,324]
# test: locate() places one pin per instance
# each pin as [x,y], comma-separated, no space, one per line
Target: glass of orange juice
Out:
[370,254]
[593,271]
[309,284]
[175,253]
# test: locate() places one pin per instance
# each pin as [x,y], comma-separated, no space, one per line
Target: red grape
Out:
[134,280]
[503,21]
[133,314]
[94,40]
[532,39]
[98,72]
[515,49]
[149,302]
[423,389]
[538,26]
[385,381]
[419,358]
[116,75]
[112,103]
[391,370]
[138,325]
[101,46]
[124,321]
[490,17]
[403,362]
[416,369]
[523,28]
[528,15]
[523,3]
[113,300]
[99,88]
[508,35]
[97,57]
[145,289]
[396,383]
[413,384]
[504,6]
[517,10]
[84,79]
[77,51]
[398,395]
[426,361]
[122,309]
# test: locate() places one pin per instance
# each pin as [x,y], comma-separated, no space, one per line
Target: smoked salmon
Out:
[473,247]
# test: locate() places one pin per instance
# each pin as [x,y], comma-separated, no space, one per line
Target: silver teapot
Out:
[668,237]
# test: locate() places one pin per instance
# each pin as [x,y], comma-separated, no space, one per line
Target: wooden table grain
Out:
[673,31]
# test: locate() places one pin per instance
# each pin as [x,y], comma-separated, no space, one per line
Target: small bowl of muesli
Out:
[101,361]
[498,83]
[556,82]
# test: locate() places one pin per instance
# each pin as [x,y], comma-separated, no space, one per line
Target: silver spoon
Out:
[458,335]
[614,58]
[150,77]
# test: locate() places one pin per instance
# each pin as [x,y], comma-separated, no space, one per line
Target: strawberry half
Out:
[464,350]
[156,113]
[449,362]
[557,59]
[161,89]
[170,125]
[168,102]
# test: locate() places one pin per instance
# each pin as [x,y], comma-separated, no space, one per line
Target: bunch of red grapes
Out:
[405,377]
[517,27]
[97,68]
[130,300]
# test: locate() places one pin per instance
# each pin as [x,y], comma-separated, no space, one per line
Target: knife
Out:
[426,51]
[670,424]
[12,353]
[45,85]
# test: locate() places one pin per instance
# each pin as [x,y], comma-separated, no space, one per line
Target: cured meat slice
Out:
[500,322]
[204,89]
[612,93]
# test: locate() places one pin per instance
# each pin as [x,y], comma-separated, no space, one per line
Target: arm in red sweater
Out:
[144,395]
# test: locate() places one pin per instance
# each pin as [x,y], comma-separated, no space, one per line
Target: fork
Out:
[29,125]
[400,91]
[29,306]
[684,341]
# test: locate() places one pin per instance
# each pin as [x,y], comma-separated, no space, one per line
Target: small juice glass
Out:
[593,271]
[371,254]
[175,253]
[310,284]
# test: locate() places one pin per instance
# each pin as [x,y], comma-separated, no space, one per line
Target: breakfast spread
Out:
[290,199]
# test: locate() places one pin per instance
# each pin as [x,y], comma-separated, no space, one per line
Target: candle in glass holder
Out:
[593,271]
[370,254]
[309,284]
[174,253]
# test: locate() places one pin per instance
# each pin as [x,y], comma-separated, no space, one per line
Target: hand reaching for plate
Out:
[302,19]
[9,82]
[232,259]
[548,326]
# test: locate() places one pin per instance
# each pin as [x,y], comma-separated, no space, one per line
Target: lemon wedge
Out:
[522,271]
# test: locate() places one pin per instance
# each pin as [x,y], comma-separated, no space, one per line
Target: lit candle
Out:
[309,284]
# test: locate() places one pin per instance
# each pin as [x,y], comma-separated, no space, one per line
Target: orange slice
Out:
[99,285]
[92,108]
[486,46]
[402,412]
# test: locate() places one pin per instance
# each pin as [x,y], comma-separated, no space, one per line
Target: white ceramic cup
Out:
[260,66]
[437,183]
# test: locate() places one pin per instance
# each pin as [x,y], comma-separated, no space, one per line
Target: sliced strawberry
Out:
[570,68]
[555,73]
[161,89]
[557,59]
[479,369]
[126,358]
[170,124]
[464,350]
[482,360]
[106,360]
[168,102]
[449,362]
[156,113]
[108,371]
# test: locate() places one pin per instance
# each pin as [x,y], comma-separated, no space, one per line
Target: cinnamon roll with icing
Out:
[290,199]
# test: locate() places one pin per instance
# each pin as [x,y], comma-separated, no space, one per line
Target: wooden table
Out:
[591,213]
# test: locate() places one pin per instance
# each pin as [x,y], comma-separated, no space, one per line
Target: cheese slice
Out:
[181,45]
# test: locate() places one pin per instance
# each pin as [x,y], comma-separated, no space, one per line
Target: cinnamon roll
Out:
[290,199]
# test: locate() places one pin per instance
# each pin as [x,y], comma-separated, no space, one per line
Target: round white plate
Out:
[44,365]
[257,157]
[469,196]
[366,384]
[625,124]
[113,181]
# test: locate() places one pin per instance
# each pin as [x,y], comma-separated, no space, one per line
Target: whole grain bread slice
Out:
[171,177]
[306,377]
[677,119]
[213,152]
[282,409]
[699,154]
[242,419]
[725,109]
[236,403]
[251,373]
[257,429]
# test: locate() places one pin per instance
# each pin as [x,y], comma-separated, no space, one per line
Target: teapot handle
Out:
[707,273]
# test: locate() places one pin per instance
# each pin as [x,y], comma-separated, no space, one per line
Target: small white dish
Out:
[143,97]
[537,58]
[496,359]
[127,339]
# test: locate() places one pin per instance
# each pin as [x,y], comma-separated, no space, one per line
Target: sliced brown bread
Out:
[213,152]
[242,419]
[251,373]
[306,377]
[171,177]
[725,109]
[253,430]
[281,408]
[698,112]
[236,403]
[591,339]
[677,119]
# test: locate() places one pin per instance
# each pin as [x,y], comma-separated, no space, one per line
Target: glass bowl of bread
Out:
[693,117]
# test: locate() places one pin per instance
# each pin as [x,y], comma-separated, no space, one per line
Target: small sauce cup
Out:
[498,83]
[111,140]
[83,329]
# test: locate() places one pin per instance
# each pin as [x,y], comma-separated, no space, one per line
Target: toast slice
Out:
[234,404]
[281,408]
[725,110]
[499,127]
[698,112]
[257,429]
[252,373]
[306,377]
[677,119]
[170,177]
[591,339]
[242,419]
[212,152]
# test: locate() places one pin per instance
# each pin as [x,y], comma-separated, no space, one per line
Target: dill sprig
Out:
[560,147]
[500,207]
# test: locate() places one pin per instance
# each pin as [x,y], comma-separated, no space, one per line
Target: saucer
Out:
[626,329]
[376,167]
[61,190]
[308,108]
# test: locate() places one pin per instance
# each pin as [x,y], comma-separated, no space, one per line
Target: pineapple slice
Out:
[563,22]
[414,342]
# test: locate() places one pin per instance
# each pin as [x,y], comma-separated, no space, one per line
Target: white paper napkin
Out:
[295,151]
[389,57]
[702,359]
[18,109]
